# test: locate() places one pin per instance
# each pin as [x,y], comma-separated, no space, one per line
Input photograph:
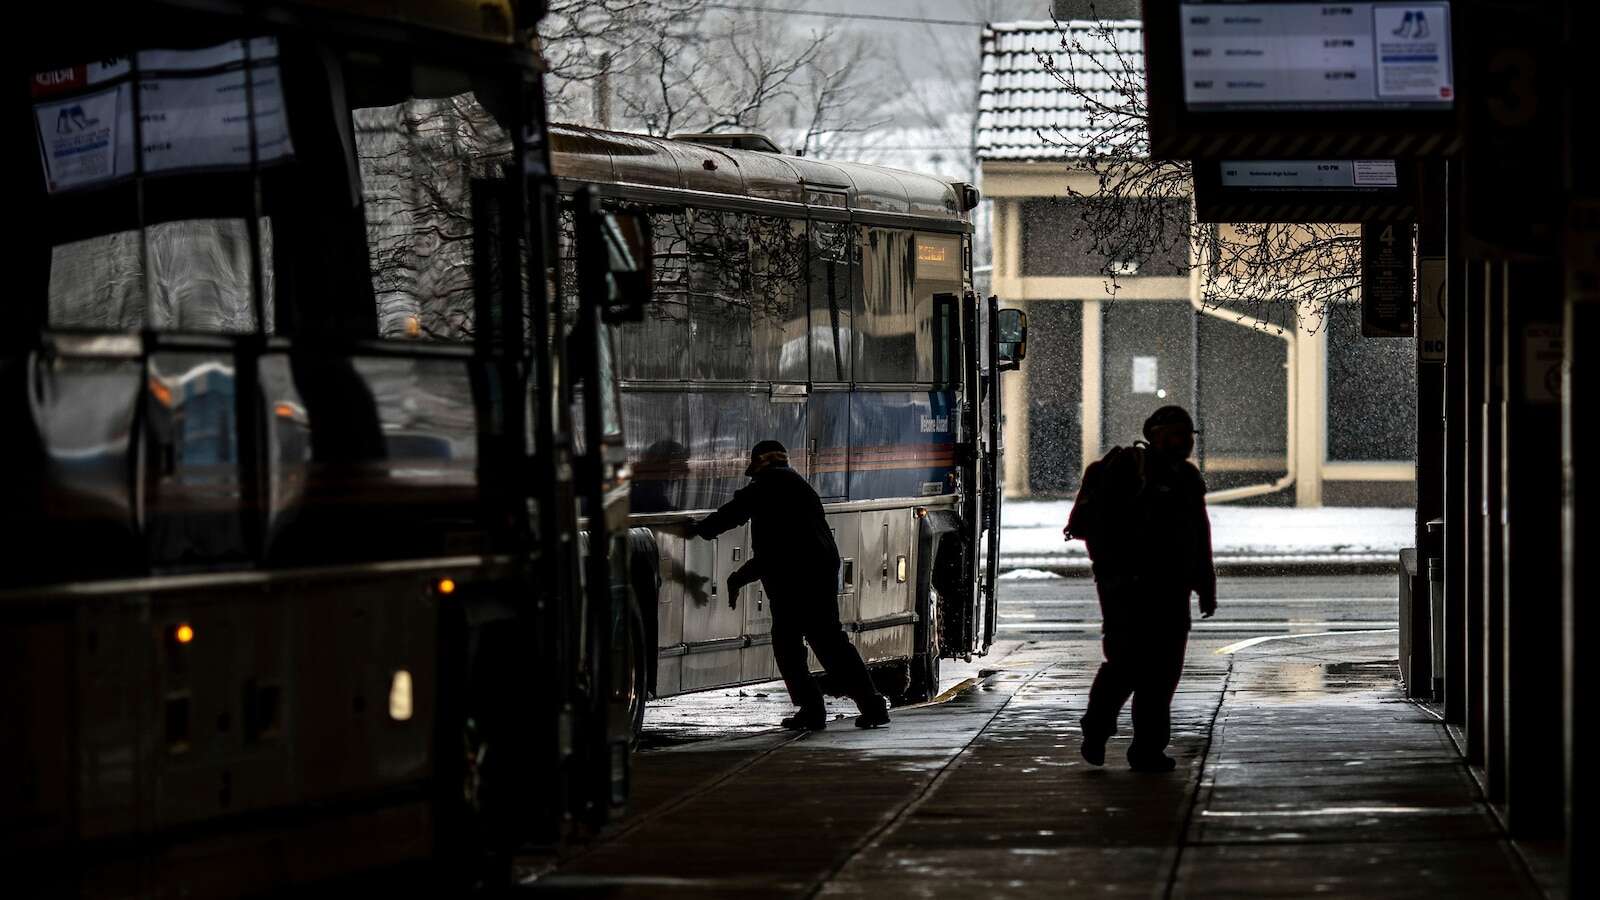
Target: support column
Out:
[1580,389]
[1582,574]
[1430,435]
[1014,421]
[1532,548]
[1308,414]
[1493,645]
[1455,460]
[1474,417]
[1093,370]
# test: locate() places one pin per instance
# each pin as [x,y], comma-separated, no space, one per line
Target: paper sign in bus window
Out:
[192,117]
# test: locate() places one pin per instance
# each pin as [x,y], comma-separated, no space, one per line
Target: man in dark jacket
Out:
[1142,511]
[797,562]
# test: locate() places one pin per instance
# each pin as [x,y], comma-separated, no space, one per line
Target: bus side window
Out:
[831,308]
[888,323]
[719,296]
[778,321]
[946,340]
[419,159]
[939,268]
[656,348]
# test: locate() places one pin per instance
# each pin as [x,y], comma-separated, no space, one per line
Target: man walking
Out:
[1142,511]
[797,562]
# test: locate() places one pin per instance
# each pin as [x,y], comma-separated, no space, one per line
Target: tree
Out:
[668,66]
[1140,210]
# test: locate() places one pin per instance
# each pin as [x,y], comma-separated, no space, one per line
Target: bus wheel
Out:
[633,685]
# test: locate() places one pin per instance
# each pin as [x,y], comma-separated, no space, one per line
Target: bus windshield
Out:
[339,225]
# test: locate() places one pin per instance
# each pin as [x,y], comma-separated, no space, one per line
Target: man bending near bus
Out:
[797,562]
[1142,510]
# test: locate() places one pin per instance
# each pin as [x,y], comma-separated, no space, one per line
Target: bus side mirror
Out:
[630,262]
[1011,336]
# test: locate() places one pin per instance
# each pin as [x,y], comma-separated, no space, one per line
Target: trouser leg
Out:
[1113,683]
[1158,679]
[789,651]
[838,656]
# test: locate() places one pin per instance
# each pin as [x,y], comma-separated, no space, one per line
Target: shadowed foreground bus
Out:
[290,590]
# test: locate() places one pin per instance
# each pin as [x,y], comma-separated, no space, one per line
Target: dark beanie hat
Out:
[767,453]
[1168,415]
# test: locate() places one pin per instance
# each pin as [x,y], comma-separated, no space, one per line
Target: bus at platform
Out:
[299,425]
[827,305]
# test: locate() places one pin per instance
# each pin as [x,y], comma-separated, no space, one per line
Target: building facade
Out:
[1311,414]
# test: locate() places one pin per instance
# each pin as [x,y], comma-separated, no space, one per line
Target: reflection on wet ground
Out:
[1300,771]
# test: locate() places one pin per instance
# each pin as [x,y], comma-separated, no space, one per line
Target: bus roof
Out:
[611,157]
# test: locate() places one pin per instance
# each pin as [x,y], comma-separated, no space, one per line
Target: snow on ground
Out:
[1033,528]
[1027,575]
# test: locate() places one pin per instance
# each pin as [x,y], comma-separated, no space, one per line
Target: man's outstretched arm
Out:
[732,514]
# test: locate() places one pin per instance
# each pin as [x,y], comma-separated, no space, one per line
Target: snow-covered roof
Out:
[1018,98]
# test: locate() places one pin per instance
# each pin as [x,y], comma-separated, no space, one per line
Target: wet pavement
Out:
[1300,771]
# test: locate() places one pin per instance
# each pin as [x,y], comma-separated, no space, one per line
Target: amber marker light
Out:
[446,586]
[184,633]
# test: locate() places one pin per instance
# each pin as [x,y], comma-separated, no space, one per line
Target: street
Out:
[1054,608]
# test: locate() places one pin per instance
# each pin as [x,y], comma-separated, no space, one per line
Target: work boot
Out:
[1093,748]
[1158,763]
[874,713]
[806,720]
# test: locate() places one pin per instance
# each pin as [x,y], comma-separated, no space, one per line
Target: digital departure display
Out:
[1316,56]
[1309,174]
[1306,190]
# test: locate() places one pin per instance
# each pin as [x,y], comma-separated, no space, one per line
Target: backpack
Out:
[1108,499]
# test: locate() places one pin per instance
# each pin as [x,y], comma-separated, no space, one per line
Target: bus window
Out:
[148,217]
[719,296]
[892,331]
[778,323]
[656,348]
[831,254]
[418,159]
[938,272]
[193,275]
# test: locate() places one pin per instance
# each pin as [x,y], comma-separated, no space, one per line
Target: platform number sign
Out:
[1387,254]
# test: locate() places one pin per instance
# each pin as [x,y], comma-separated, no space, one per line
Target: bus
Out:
[300,424]
[828,305]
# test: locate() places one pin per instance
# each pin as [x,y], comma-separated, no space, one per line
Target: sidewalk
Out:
[1244,538]
[1301,771]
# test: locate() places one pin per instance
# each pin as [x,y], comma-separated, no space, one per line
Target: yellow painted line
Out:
[1246,644]
[949,694]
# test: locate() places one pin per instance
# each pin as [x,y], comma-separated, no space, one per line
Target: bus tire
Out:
[640,662]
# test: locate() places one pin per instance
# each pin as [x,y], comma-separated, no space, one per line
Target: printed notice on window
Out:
[1316,56]
[1144,375]
[195,113]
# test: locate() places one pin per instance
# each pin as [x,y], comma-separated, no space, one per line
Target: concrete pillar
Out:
[1582,574]
[1455,460]
[1474,414]
[1014,421]
[1493,645]
[1308,414]
[1431,227]
[1093,370]
[1007,239]
[1533,311]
